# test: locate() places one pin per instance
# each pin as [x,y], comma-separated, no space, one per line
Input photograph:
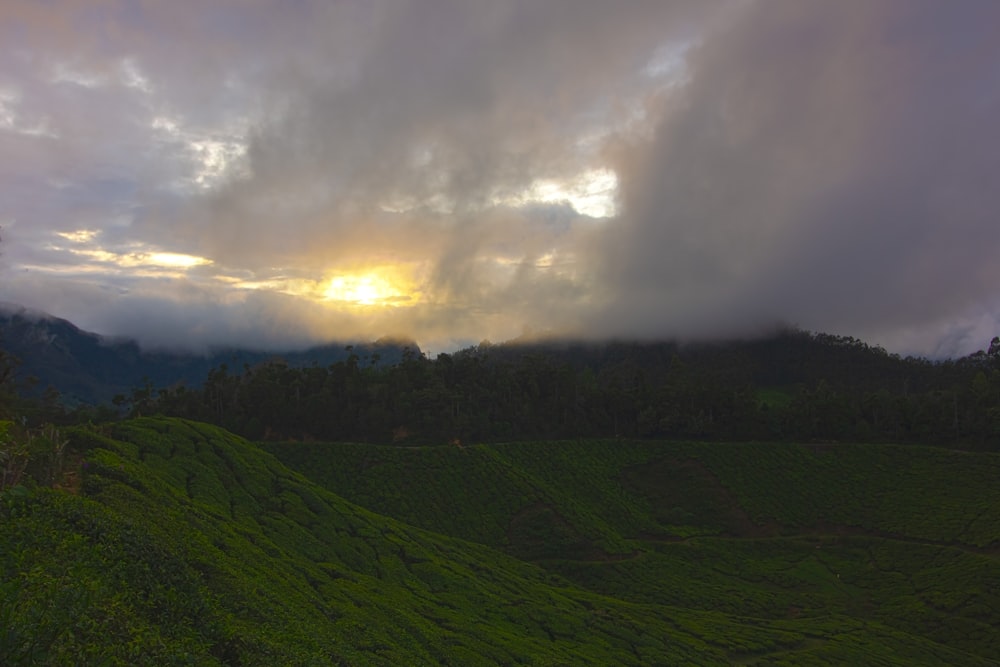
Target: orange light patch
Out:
[382,286]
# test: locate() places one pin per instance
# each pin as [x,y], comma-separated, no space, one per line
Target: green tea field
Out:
[181,544]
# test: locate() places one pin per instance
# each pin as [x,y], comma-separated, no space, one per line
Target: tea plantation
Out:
[832,541]
[176,543]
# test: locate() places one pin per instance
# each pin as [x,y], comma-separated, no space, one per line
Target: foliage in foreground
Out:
[183,544]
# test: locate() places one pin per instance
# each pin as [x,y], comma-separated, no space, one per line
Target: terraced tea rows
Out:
[184,544]
[908,538]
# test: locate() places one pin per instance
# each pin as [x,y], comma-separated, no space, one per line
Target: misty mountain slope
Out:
[908,537]
[87,368]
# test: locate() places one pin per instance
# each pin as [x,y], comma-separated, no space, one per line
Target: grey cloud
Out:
[460,101]
[827,164]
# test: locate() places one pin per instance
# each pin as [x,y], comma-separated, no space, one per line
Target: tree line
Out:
[794,386]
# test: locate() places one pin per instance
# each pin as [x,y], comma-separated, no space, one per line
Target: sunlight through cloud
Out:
[382,286]
[592,193]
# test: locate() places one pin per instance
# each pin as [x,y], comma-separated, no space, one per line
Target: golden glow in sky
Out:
[85,244]
[175,259]
[383,286]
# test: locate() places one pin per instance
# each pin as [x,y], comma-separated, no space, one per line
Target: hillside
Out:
[174,542]
[794,387]
[832,536]
[791,386]
[86,368]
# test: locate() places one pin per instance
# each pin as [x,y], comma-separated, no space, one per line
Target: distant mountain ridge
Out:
[88,368]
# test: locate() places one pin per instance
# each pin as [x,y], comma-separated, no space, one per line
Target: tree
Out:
[8,364]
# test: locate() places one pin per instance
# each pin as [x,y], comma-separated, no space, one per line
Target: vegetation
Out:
[792,387]
[182,544]
[167,541]
[87,369]
[906,537]
[618,490]
[179,543]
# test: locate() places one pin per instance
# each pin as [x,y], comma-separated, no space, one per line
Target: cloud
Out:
[826,164]
[750,162]
[448,107]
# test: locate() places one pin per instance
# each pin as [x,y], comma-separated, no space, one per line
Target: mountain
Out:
[91,369]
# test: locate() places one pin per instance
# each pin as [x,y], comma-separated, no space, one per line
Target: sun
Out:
[371,288]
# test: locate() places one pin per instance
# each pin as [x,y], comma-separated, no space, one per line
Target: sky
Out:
[275,174]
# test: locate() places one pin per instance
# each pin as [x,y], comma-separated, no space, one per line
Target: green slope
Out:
[825,540]
[187,545]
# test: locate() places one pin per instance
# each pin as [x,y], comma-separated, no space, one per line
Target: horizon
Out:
[526,340]
[320,173]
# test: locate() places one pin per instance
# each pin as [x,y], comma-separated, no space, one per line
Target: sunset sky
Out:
[273,174]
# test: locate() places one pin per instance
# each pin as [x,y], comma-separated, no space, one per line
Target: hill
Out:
[90,369]
[794,386]
[174,542]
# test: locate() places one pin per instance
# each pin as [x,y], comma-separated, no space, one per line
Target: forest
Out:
[793,386]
